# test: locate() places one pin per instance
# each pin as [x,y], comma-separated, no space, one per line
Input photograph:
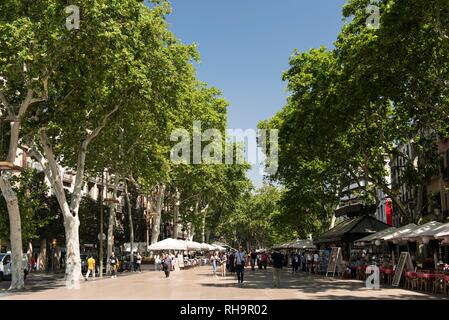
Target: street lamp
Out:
[101,223]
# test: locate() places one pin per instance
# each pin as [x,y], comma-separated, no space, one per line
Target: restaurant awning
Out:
[377,236]
[302,244]
[296,244]
[352,229]
[419,232]
[400,231]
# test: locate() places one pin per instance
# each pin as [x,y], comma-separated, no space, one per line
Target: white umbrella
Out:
[169,244]
[207,247]
[443,233]
[193,246]
[424,232]
[396,235]
[219,248]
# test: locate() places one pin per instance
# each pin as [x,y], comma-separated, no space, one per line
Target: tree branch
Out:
[76,195]
[97,131]
[44,97]
[5,102]
[55,178]
[37,155]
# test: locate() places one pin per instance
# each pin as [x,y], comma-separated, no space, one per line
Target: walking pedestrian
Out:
[90,267]
[264,260]
[293,258]
[232,262]
[298,261]
[215,260]
[138,262]
[316,262]
[309,262]
[223,260]
[240,264]
[253,256]
[276,257]
[167,265]
[113,263]
[157,263]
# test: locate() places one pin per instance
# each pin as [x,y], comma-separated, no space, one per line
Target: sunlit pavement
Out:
[200,284]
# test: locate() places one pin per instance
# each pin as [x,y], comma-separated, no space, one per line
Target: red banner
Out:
[389,213]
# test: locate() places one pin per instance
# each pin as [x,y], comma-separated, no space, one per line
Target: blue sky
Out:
[245,46]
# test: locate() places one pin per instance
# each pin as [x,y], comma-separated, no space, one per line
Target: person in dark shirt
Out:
[253,256]
[277,258]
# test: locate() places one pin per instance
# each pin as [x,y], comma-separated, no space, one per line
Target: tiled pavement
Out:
[199,284]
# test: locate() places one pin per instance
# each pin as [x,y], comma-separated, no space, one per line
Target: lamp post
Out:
[101,225]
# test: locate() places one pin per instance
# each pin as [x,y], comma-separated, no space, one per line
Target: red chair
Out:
[389,273]
[424,279]
[360,274]
[446,285]
[411,280]
[438,283]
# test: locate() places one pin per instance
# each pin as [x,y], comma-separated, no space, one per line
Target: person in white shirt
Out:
[309,262]
[157,263]
[316,261]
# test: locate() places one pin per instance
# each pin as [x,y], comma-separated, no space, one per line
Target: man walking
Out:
[240,263]
[90,267]
[253,256]
[138,262]
[113,262]
[276,257]
[167,264]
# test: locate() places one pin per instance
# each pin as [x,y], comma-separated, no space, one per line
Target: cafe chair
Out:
[411,280]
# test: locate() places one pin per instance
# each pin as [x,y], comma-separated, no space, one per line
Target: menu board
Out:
[324,260]
[334,261]
[404,260]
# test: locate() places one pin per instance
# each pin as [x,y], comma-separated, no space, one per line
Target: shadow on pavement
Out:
[312,284]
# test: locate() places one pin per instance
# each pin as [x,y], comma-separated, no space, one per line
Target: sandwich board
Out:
[335,260]
[404,261]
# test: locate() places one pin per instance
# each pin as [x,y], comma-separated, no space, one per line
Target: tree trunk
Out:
[176,213]
[111,223]
[419,203]
[12,203]
[70,213]
[131,226]
[73,260]
[43,255]
[159,199]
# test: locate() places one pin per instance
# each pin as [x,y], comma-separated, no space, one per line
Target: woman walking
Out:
[223,260]
[215,259]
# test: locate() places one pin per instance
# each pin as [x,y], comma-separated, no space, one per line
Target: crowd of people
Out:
[236,261]
[233,262]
